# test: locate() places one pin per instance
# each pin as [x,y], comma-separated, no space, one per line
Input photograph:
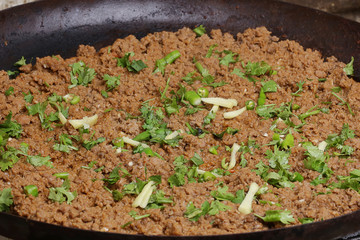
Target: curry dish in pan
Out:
[181,133]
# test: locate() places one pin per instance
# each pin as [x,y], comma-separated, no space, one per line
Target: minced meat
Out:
[308,99]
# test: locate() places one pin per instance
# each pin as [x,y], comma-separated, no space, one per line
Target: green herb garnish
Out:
[6,200]
[133,66]
[28,97]
[200,30]
[31,190]
[9,91]
[282,216]
[349,68]
[81,74]
[111,82]
[65,144]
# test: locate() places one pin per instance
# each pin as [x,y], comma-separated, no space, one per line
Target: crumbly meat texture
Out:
[94,207]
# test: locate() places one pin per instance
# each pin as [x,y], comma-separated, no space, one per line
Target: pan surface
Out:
[59,26]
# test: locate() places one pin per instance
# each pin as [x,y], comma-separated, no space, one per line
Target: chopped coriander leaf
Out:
[254,69]
[210,51]
[352,181]
[117,195]
[257,68]
[134,187]
[269,86]
[288,141]
[316,160]
[89,144]
[81,74]
[28,97]
[6,200]
[349,68]
[104,94]
[322,79]
[238,72]
[154,124]
[9,91]
[171,104]
[38,161]
[191,110]
[55,98]
[211,115]
[61,194]
[133,66]
[282,216]
[216,207]
[278,160]
[229,58]
[190,78]
[8,157]
[114,176]
[194,214]
[222,194]
[197,160]
[300,86]
[64,144]
[111,81]
[157,200]
[39,108]
[12,73]
[10,127]
[200,30]
[21,62]
[181,170]
[338,141]
[168,59]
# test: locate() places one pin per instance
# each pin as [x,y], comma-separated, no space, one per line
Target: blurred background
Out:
[346,8]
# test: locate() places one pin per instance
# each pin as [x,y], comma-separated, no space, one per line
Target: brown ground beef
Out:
[94,207]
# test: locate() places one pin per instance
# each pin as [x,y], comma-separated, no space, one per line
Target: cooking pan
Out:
[59,26]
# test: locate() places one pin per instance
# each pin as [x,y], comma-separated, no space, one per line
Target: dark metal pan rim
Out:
[220,236]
